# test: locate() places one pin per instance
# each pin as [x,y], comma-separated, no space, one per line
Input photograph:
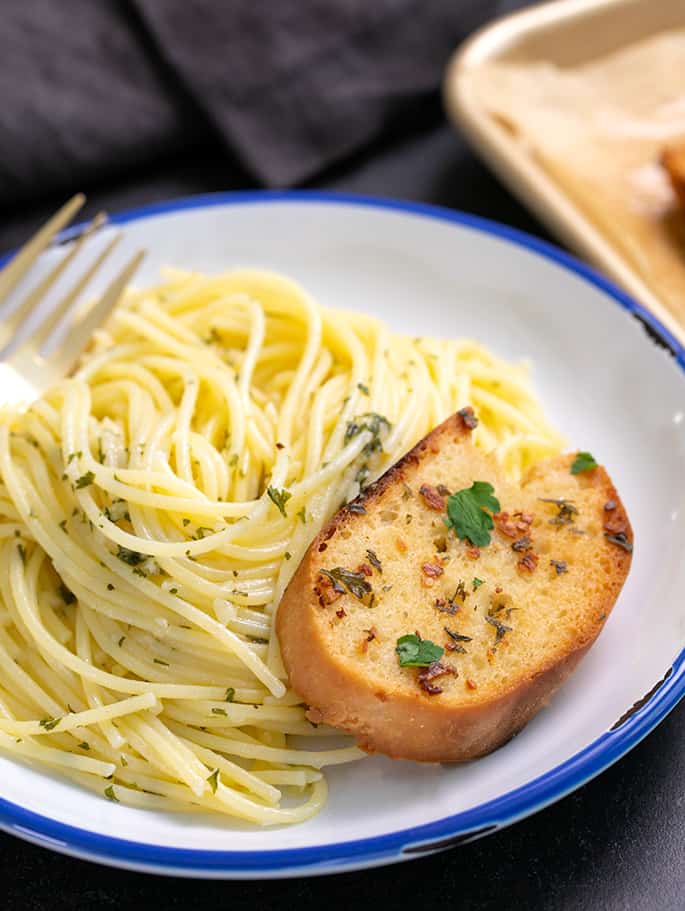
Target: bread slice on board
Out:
[513,617]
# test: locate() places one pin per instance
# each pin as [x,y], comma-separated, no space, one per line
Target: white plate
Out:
[609,388]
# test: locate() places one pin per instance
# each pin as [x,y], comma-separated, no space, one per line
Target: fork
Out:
[30,365]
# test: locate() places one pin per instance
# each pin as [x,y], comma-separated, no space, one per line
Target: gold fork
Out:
[28,366]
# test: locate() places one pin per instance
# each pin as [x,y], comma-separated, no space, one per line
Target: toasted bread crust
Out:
[400,721]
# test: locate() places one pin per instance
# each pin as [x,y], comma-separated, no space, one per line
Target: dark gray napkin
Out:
[295,85]
[91,90]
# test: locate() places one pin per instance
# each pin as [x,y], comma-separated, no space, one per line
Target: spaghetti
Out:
[154,506]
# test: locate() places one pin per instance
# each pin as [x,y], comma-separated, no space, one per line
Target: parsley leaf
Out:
[279,498]
[477,582]
[85,480]
[466,512]
[584,461]
[413,651]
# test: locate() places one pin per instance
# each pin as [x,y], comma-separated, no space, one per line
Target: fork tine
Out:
[79,333]
[17,267]
[45,330]
[33,298]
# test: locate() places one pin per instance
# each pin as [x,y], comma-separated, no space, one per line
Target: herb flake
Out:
[279,498]
[132,557]
[213,780]
[374,561]
[501,629]
[374,423]
[355,583]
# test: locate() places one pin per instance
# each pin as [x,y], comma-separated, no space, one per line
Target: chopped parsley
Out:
[372,422]
[230,694]
[466,512]
[584,461]
[132,557]
[110,795]
[279,498]
[355,583]
[413,651]
[84,746]
[213,780]
[477,583]
[302,515]
[362,387]
[49,723]
[160,661]
[287,555]
[85,480]
[216,711]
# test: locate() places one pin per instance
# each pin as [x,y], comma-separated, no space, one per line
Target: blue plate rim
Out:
[411,842]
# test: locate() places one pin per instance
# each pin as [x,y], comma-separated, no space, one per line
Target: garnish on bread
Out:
[436,622]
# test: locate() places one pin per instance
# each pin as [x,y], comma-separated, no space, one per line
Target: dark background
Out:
[617,844]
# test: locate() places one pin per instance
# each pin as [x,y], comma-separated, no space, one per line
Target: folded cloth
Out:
[295,85]
[287,86]
[83,97]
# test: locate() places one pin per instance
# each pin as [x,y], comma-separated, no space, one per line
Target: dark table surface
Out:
[617,844]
